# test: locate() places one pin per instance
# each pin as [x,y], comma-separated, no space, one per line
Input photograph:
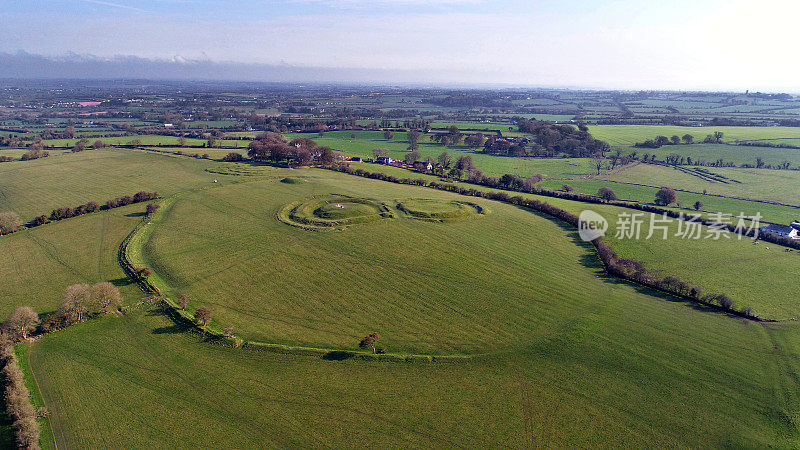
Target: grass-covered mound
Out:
[331,212]
[439,210]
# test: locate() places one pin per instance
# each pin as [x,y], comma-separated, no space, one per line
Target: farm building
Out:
[385,160]
[420,165]
[791,231]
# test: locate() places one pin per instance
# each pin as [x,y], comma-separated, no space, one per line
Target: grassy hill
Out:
[560,352]
[624,369]
[31,188]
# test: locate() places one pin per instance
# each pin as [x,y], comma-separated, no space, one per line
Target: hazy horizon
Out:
[705,45]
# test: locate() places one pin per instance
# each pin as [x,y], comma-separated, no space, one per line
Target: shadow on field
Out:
[135,214]
[590,260]
[337,355]
[171,329]
[121,281]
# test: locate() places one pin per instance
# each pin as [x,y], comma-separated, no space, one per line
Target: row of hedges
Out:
[498,183]
[18,402]
[66,212]
[623,268]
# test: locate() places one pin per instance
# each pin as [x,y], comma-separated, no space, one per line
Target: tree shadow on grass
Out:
[337,355]
[170,329]
[590,260]
[121,281]
[135,214]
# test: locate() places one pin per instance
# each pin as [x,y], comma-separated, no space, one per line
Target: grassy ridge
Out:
[393,272]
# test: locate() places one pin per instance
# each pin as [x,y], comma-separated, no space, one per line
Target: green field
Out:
[366,141]
[148,139]
[559,353]
[388,268]
[711,204]
[737,154]
[760,184]
[626,135]
[753,275]
[36,265]
[32,188]
[615,367]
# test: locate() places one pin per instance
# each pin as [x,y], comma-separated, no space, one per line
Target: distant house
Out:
[420,165]
[355,159]
[792,231]
[168,125]
[384,160]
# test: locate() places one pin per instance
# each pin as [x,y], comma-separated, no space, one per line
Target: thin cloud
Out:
[114,5]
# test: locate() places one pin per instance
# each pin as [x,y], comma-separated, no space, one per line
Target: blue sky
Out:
[701,44]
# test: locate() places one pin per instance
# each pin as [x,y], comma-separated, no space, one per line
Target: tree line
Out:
[549,140]
[66,212]
[686,139]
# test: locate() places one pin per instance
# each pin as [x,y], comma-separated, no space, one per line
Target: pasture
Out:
[737,154]
[36,265]
[760,184]
[431,287]
[366,141]
[32,188]
[711,203]
[619,368]
[627,135]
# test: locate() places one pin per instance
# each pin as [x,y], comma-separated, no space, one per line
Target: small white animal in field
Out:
[767,248]
[215,180]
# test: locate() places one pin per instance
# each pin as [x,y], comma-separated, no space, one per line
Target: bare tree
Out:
[22,322]
[369,341]
[74,307]
[9,222]
[202,315]
[183,301]
[106,297]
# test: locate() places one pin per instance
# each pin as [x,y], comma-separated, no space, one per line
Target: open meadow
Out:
[627,135]
[780,186]
[32,188]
